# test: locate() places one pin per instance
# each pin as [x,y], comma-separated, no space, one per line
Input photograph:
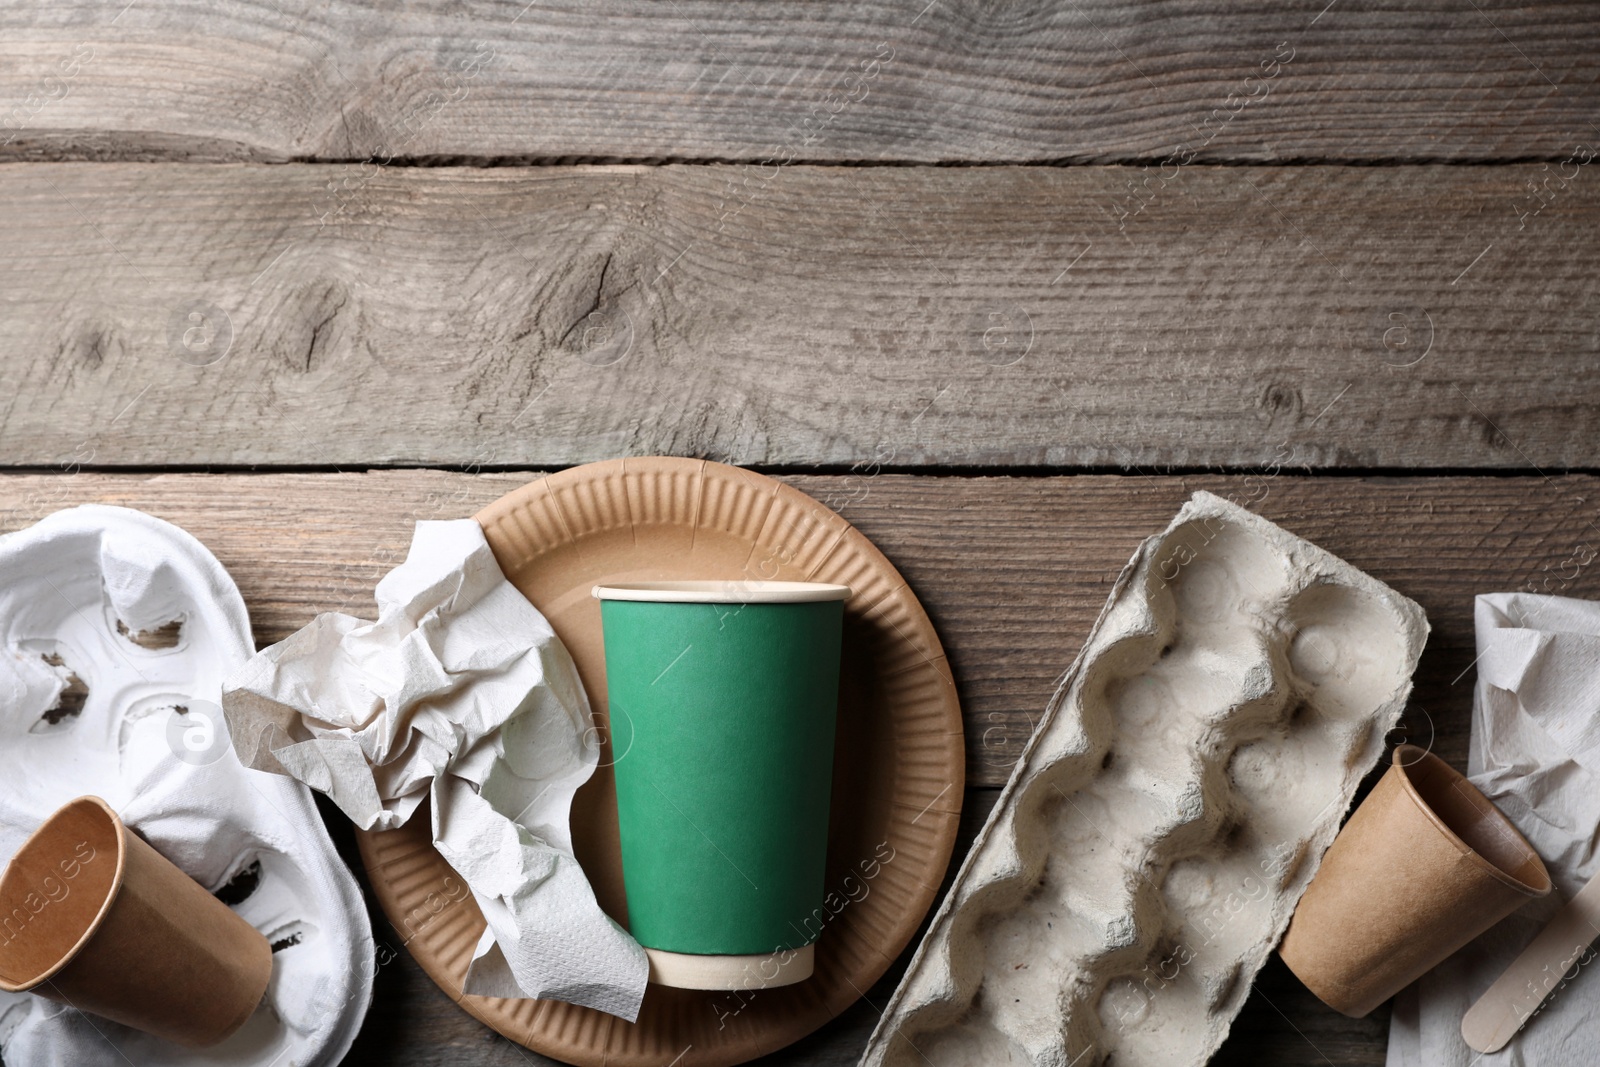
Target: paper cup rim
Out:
[1407,756]
[105,905]
[722,592]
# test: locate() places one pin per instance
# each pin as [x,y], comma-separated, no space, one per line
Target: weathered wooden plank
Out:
[989,317]
[1013,571]
[1284,1024]
[908,80]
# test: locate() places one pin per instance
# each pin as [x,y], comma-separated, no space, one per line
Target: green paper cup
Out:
[723,697]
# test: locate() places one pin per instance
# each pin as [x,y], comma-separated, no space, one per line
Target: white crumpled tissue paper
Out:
[460,693]
[1535,753]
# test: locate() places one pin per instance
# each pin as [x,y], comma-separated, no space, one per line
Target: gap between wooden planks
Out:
[1256,317]
[1013,571]
[873,80]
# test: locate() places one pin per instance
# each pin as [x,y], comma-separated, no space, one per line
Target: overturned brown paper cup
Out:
[1425,865]
[93,917]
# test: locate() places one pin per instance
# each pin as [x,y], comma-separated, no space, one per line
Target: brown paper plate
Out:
[899,761]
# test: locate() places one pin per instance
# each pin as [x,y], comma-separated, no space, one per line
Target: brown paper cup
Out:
[93,917]
[1425,865]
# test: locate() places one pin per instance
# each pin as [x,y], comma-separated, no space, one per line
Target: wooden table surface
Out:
[1002,283]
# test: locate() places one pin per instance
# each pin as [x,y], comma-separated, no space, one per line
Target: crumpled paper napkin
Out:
[460,693]
[1535,753]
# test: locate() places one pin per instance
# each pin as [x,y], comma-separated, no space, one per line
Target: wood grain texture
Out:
[908,80]
[1013,572]
[160,315]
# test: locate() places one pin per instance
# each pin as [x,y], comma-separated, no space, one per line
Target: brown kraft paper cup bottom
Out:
[93,917]
[1425,865]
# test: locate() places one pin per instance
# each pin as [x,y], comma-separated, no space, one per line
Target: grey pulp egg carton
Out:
[1190,771]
